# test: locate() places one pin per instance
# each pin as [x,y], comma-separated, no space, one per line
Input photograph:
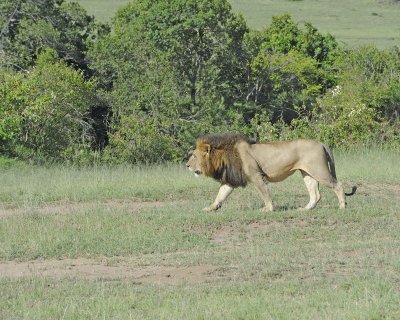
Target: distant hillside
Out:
[352,22]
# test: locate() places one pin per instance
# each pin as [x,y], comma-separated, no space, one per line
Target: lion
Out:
[235,160]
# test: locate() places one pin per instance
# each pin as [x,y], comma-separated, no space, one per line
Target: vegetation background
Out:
[141,85]
[98,218]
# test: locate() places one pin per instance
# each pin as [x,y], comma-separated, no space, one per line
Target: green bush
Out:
[30,26]
[10,104]
[49,110]
[286,67]
[140,139]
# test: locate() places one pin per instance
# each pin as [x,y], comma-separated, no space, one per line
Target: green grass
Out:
[35,185]
[103,10]
[351,22]
[289,264]
[354,297]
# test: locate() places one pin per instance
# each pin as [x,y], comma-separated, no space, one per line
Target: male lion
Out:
[235,160]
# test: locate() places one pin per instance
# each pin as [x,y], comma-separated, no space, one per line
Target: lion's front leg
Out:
[224,191]
[262,187]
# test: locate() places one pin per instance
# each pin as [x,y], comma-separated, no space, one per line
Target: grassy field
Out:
[351,22]
[133,243]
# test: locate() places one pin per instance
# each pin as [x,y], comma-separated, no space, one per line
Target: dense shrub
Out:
[140,139]
[47,110]
[286,66]
[28,27]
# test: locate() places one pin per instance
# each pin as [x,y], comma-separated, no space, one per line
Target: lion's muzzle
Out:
[196,172]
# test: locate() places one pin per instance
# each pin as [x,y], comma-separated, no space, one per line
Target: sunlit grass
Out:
[351,22]
[321,264]
[352,297]
[24,186]
[36,185]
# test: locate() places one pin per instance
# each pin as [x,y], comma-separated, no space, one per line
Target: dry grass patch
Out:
[130,205]
[96,269]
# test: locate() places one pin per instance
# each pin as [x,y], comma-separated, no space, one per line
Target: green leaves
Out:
[174,60]
[138,140]
[173,70]
[30,26]
[47,109]
[286,67]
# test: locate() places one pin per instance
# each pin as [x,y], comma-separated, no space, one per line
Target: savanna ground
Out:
[133,243]
[353,22]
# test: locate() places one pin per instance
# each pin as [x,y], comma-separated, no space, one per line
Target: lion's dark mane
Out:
[224,164]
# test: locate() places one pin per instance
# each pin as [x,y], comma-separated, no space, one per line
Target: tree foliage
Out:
[171,59]
[198,41]
[29,26]
[174,69]
[287,67]
[47,110]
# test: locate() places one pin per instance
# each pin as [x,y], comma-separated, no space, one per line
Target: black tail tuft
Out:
[353,191]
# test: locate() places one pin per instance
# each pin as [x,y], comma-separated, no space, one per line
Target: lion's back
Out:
[279,159]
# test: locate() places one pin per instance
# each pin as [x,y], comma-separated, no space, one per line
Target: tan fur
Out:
[235,160]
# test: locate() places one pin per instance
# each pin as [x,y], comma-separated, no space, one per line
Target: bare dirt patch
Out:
[235,233]
[131,205]
[381,189]
[88,269]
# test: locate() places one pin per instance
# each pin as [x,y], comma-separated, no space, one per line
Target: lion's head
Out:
[216,156]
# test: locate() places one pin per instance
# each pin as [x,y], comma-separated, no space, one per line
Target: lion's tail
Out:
[331,163]
[353,191]
[331,160]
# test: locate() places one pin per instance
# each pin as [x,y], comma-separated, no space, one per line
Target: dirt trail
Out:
[65,207]
[130,269]
[387,189]
[89,269]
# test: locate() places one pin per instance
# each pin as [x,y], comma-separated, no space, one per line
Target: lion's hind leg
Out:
[262,187]
[313,190]
[337,187]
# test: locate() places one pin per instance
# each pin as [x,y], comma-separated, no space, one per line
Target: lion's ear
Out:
[206,148]
[203,147]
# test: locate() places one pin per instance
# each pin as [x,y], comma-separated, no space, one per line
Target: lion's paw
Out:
[267,209]
[211,208]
